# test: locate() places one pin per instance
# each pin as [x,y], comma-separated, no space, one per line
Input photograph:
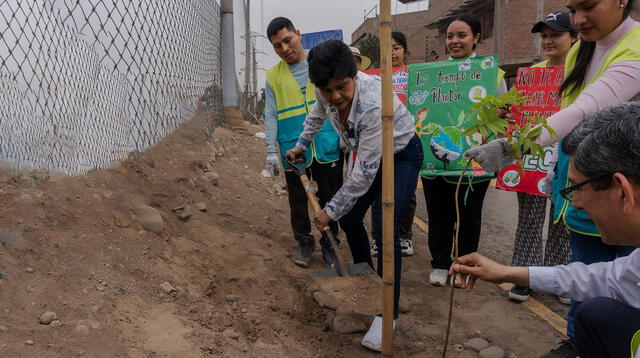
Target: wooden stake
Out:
[387,179]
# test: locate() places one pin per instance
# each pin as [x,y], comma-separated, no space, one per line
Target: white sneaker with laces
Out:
[438,277]
[373,338]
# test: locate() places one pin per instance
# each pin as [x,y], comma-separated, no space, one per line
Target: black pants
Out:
[604,328]
[441,210]
[329,179]
[406,221]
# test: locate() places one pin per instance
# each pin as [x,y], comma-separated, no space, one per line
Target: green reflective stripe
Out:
[635,343]
[564,220]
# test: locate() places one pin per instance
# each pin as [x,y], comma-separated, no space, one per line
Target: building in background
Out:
[506,29]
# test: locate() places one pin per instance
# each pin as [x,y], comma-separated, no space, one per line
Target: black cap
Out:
[558,21]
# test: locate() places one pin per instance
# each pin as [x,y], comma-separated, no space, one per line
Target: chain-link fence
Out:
[85,82]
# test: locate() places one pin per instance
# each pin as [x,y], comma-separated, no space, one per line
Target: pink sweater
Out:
[619,83]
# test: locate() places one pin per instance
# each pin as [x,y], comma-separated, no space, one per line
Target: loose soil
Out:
[237,292]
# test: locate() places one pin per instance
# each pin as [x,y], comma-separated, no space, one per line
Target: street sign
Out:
[313,39]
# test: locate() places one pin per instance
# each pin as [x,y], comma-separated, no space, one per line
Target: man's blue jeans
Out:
[407,164]
[589,250]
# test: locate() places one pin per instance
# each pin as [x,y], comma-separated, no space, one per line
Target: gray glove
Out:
[273,164]
[492,156]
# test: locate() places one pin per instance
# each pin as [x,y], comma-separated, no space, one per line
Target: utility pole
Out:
[229,80]
[247,53]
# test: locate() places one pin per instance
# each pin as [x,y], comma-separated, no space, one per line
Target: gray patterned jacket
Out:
[364,137]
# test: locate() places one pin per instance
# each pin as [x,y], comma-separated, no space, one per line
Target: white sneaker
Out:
[565,300]
[374,249]
[438,277]
[406,246]
[373,338]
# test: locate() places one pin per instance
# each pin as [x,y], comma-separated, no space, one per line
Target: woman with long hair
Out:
[463,35]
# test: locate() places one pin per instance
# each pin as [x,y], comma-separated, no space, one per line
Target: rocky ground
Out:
[184,250]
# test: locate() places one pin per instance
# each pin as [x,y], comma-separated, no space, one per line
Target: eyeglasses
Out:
[567,193]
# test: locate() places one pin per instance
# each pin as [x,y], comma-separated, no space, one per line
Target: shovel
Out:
[340,268]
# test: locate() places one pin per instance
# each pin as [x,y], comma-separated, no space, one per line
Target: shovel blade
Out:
[361,269]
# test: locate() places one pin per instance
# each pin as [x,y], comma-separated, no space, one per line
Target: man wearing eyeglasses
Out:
[605,182]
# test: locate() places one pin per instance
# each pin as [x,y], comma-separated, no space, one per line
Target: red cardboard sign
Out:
[541,87]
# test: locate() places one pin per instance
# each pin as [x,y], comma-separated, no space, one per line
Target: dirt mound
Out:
[192,212]
[181,251]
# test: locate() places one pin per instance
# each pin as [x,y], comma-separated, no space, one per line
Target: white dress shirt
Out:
[618,279]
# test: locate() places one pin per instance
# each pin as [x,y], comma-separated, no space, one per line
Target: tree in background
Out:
[370,46]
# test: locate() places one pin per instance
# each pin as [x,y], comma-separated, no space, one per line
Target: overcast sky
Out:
[307,16]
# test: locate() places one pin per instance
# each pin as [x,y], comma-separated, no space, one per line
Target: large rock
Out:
[81,330]
[149,218]
[212,178]
[492,352]
[347,324]
[343,311]
[477,344]
[325,300]
[48,317]
[167,288]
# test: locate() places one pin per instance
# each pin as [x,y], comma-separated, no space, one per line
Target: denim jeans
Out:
[407,164]
[604,328]
[589,250]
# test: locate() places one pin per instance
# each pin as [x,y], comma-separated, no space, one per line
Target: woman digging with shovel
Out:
[352,102]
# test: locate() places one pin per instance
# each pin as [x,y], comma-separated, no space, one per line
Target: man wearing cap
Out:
[289,96]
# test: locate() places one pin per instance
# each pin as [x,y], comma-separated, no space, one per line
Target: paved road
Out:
[500,214]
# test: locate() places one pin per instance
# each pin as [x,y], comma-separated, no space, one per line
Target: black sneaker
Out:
[566,349]
[303,254]
[520,293]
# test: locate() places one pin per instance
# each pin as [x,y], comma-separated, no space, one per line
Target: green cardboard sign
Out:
[439,95]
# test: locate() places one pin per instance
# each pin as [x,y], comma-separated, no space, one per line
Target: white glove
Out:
[492,156]
[273,164]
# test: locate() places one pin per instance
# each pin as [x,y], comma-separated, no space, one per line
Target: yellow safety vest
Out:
[627,49]
[292,108]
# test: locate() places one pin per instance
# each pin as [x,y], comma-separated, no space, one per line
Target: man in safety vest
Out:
[604,179]
[289,97]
